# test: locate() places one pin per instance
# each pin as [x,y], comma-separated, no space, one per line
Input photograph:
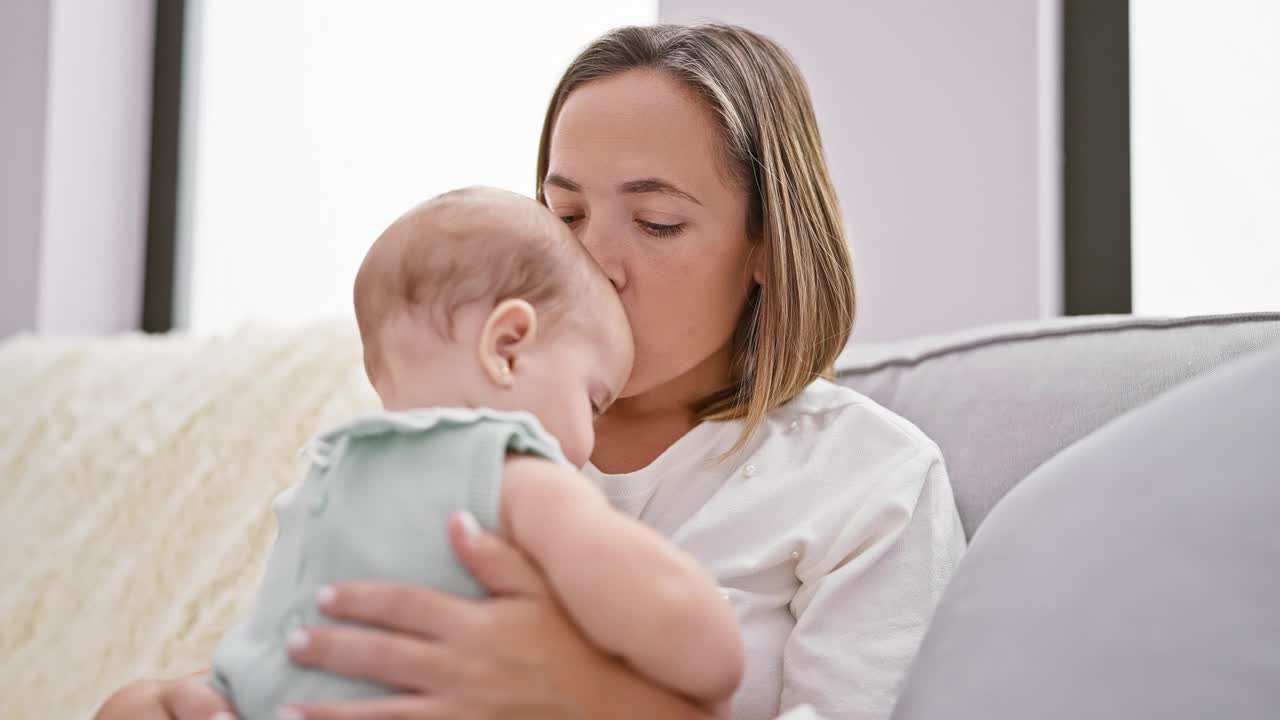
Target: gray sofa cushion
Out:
[1135,575]
[1001,401]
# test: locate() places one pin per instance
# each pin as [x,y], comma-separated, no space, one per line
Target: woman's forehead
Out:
[637,124]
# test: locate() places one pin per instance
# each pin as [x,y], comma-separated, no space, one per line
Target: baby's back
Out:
[374,505]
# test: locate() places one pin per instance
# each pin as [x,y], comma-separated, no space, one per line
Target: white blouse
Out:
[832,533]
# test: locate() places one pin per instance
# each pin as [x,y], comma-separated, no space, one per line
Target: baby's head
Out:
[483,298]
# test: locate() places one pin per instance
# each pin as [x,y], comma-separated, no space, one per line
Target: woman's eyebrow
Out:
[655,185]
[560,181]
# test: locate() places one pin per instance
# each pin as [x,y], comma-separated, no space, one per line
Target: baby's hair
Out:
[466,246]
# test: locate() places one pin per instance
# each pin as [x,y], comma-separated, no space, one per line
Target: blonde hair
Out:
[461,247]
[795,325]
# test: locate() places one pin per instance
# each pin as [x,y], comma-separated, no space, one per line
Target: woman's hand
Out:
[517,655]
[514,655]
[188,698]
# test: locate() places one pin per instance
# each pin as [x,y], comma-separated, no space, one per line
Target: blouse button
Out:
[794,426]
[795,554]
[750,471]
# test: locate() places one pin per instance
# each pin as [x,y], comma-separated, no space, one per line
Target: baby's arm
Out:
[631,592]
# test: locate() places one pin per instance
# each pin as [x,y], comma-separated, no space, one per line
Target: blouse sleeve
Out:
[869,589]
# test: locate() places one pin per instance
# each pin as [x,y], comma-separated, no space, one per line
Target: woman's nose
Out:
[602,250]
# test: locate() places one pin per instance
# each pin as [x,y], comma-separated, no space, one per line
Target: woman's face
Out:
[635,169]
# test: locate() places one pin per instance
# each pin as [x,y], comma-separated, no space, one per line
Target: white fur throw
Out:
[136,475]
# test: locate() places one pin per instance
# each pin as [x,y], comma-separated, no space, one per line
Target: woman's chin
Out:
[639,385]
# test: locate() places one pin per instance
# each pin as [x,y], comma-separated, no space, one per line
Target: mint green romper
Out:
[373,505]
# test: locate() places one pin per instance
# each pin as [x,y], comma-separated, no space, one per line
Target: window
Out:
[309,126]
[1205,123]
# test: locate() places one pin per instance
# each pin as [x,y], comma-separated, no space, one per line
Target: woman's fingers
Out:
[494,563]
[401,707]
[404,662]
[401,607]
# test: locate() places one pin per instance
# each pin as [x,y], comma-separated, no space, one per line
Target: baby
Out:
[493,341]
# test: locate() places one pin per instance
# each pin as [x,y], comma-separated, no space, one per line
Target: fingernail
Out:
[470,528]
[297,639]
[288,713]
[325,595]
[223,715]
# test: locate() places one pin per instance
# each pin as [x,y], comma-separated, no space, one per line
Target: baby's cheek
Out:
[589,439]
[582,440]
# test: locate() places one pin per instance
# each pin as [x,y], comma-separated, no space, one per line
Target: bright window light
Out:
[1206,155]
[311,125]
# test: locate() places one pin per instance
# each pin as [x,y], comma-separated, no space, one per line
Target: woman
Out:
[688,161]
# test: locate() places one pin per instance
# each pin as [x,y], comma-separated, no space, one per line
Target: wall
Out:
[75,76]
[940,121]
[940,124]
[24,36]
[96,166]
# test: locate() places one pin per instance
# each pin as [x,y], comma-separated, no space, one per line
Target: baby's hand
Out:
[188,698]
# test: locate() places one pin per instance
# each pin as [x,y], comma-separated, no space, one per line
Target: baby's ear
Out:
[508,333]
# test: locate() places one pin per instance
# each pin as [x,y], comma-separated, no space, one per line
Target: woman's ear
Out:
[507,334]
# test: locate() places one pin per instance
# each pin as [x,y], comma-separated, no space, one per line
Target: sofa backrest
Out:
[1001,401]
[1158,602]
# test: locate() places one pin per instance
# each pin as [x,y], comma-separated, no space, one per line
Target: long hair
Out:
[795,324]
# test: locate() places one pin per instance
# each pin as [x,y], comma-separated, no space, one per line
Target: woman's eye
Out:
[660,230]
[570,218]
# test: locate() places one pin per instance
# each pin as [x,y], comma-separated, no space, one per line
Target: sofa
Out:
[136,471]
[1136,574]
[1120,483]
